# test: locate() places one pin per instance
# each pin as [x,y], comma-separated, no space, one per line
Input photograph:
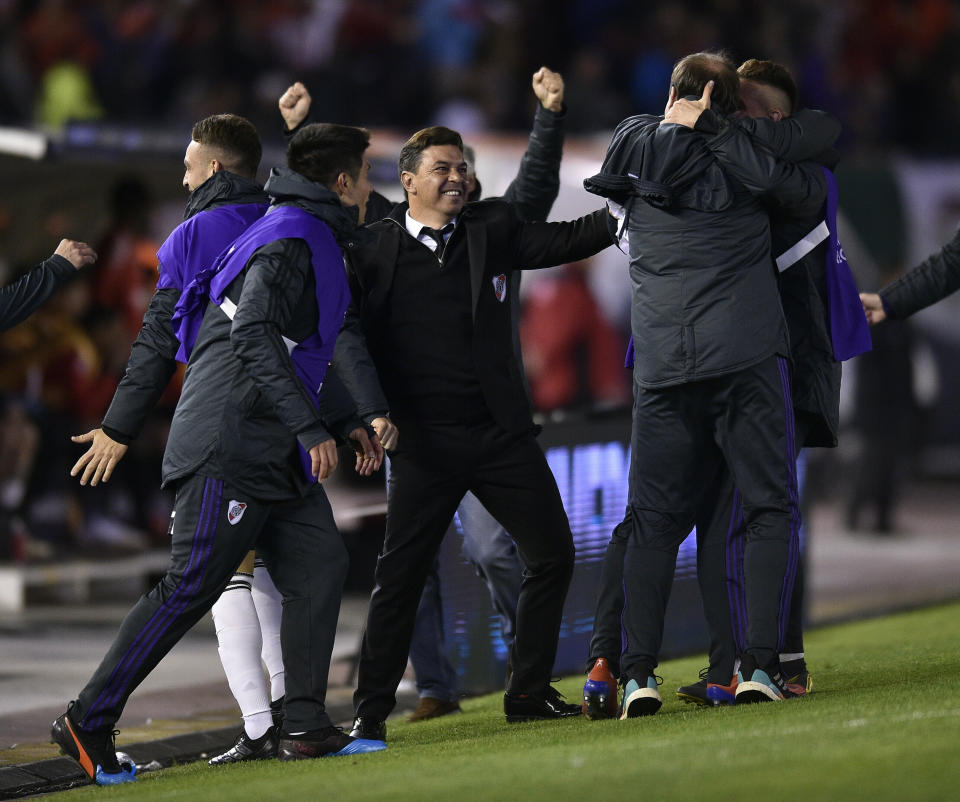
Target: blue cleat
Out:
[94,751]
[359,746]
[326,742]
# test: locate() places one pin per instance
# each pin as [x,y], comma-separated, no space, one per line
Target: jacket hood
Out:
[222,188]
[665,165]
[289,188]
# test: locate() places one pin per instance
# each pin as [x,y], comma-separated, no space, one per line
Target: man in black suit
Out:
[428,339]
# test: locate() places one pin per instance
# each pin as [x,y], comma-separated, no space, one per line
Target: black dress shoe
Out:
[247,748]
[374,729]
[534,706]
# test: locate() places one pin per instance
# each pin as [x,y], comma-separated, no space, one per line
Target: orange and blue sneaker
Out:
[600,692]
[707,693]
[722,694]
[641,700]
[96,751]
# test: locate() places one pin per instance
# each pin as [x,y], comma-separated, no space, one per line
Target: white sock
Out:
[269,604]
[784,658]
[238,641]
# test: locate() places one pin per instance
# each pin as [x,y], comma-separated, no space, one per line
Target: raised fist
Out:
[548,87]
[77,253]
[294,105]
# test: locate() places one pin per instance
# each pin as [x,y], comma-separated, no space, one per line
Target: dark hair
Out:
[411,154]
[771,74]
[321,151]
[236,137]
[691,73]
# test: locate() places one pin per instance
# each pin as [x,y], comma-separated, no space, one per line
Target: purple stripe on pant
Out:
[793,556]
[117,686]
[735,586]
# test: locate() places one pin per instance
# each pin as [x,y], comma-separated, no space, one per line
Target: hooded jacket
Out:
[705,299]
[217,212]
[243,408]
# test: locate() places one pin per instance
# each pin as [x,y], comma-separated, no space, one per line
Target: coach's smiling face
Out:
[438,189]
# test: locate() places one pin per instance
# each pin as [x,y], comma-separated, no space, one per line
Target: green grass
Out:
[883,722]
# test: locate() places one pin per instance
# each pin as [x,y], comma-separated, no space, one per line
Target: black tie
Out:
[440,237]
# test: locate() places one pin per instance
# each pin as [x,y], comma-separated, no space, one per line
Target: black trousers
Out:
[434,465]
[683,438]
[211,534]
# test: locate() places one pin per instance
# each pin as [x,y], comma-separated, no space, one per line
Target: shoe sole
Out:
[749,692]
[693,699]
[643,702]
[223,760]
[597,706]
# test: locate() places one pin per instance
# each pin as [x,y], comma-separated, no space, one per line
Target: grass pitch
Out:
[883,722]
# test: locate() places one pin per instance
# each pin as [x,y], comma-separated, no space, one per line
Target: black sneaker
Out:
[96,752]
[756,684]
[276,710]
[247,748]
[373,729]
[326,742]
[696,693]
[533,706]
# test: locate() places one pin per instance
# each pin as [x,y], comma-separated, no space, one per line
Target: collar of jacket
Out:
[399,213]
[387,257]
[289,188]
[222,188]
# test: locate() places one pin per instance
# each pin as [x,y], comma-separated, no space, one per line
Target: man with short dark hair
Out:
[247,450]
[711,381]
[432,303]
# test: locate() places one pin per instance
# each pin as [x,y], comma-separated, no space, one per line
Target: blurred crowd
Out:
[882,65]
[887,68]
[59,371]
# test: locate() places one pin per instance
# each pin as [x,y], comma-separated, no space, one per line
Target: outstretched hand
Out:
[873,308]
[294,105]
[686,112]
[100,459]
[548,87]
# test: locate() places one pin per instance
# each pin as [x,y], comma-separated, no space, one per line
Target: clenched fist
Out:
[77,253]
[294,105]
[548,87]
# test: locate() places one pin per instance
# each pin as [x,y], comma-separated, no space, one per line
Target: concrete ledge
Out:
[75,577]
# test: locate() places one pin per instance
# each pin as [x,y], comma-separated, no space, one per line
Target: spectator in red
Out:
[571,354]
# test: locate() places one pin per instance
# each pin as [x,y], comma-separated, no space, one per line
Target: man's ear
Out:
[776,115]
[407,180]
[216,166]
[671,99]
[343,184]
